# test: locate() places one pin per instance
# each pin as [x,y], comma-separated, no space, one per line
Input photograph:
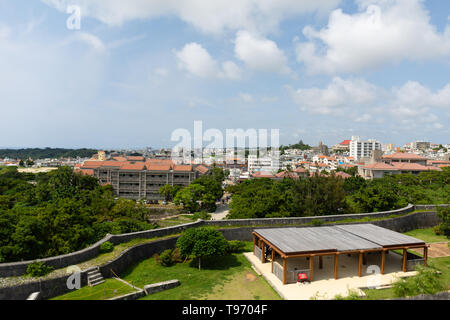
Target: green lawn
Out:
[427,235]
[229,277]
[109,289]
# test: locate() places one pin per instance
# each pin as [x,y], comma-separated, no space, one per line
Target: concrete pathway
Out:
[325,287]
[221,212]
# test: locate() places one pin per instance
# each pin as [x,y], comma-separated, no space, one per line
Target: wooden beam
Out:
[254,243]
[425,255]
[336,262]
[320,262]
[284,270]
[311,267]
[405,252]
[383,261]
[360,258]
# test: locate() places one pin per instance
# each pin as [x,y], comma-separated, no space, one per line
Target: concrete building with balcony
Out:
[139,178]
[363,149]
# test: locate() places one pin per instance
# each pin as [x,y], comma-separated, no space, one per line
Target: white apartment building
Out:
[269,164]
[361,149]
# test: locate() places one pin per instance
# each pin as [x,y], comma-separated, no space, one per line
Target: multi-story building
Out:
[269,163]
[363,149]
[139,178]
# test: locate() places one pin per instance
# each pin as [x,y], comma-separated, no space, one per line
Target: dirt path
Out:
[437,250]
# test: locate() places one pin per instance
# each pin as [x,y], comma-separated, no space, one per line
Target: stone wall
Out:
[54,287]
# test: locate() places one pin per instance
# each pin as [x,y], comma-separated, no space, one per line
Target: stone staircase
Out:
[95,277]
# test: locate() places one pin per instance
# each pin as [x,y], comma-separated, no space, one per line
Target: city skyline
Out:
[135,72]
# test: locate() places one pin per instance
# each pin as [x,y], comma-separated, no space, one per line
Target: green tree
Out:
[202,242]
[190,197]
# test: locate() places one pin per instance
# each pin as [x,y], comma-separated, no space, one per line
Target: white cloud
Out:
[339,95]
[231,71]
[248,98]
[260,54]
[382,32]
[197,61]
[208,16]
[360,101]
[93,41]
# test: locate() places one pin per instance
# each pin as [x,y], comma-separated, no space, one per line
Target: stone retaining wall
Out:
[54,287]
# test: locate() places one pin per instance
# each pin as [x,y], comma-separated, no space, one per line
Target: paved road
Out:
[221,212]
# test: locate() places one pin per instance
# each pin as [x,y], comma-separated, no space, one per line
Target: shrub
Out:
[235,246]
[176,256]
[165,258]
[444,227]
[317,222]
[201,215]
[38,269]
[427,281]
[106,247]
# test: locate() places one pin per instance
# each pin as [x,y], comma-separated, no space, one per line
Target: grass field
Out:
[427,235]
[223,278]
[109,289]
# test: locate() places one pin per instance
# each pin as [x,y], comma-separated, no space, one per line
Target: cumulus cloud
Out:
[340,94]
[361,101]
[381,32]
[197,61]
[208,16]
[260,54]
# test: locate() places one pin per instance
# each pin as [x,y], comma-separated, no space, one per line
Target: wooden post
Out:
[405,252]
[425,255]
[273,257]
[263,252]
[320,262]
[311,268]
[336,262]
[284,270]
[360,258]
[383,261]
[254,243]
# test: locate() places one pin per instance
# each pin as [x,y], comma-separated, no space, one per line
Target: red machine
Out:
[302,277]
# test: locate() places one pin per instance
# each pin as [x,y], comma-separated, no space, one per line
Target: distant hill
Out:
[38,153]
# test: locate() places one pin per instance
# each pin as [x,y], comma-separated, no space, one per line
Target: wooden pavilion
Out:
[312,242]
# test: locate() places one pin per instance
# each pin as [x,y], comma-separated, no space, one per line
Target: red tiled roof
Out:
[263,174]
[380,166]
[343,175]
[403,156]
[92,164]
[201,169]
[406,166]
[300,170]
[158,167]
[286,174]
[133,166]
[136,158]
[120,158]
[345,142]
[183,167]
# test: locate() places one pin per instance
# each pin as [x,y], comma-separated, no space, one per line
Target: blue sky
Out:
[137,70]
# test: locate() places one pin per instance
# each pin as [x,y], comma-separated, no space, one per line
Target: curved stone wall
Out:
[53,287]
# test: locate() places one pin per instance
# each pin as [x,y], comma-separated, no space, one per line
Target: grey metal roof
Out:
[334,238]
[383,237]
[290,240]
